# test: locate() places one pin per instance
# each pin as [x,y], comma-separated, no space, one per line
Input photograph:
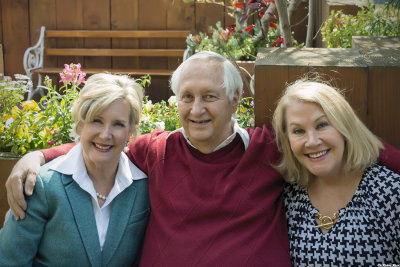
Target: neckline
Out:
[341,212]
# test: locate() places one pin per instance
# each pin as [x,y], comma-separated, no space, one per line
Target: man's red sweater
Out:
[218,209]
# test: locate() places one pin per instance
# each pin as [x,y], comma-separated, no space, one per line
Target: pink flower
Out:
[50,143]
[72,74]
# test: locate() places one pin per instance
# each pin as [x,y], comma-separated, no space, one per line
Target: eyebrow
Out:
[317,119]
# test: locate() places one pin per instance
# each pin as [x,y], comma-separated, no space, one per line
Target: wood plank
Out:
[114,52]
[153,16]
[69,16]
[117,34]
[96,17]
[158,72]
[15,22]
[1,24]
[208,15]
[179,17]
[36,10]
[124,16]
[383,103]
[269,84]
[1,62]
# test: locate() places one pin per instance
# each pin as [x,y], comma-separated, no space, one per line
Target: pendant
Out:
[326,222]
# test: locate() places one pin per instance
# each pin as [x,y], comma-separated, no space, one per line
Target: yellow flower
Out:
[1,127]
[20,132]
[14,112]
[46,132]
[22,149]
[30,105]
[6,117]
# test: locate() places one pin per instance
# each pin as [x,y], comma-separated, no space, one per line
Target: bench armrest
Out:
[33,56]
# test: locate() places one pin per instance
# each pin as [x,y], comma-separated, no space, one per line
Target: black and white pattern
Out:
[367,233]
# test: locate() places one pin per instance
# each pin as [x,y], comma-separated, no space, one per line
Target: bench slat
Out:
[116,34]
[158,72]
[114,52]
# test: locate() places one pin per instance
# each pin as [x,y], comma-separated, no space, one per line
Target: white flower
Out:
[9,122]
[334,30]
[148,105]
[378,10]
[367,28]
[172,100]
[21,77]
[145,118]
[160,125]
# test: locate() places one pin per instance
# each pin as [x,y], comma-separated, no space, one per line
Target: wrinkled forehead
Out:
[209,67]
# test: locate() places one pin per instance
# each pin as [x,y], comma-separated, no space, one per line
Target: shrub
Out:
[372,20]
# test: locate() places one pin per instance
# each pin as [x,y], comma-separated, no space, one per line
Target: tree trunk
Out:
[310,25]
[284,22]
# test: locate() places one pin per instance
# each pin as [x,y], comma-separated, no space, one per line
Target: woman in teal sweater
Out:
[91,206]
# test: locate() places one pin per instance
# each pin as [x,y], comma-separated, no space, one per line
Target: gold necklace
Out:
[326,222]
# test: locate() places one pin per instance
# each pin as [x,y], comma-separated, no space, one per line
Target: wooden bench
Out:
[35,56]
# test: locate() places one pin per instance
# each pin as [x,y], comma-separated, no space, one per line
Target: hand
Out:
[25,170]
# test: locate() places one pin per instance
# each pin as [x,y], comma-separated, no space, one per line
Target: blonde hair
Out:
[361,145]
[103,89]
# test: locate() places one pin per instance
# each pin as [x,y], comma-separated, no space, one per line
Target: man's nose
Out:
[198,106]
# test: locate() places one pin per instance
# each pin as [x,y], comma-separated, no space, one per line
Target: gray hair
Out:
[232,81]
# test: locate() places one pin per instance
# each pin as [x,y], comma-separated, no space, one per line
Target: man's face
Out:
[205,110]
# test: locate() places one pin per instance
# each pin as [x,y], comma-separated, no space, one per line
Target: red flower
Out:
[239,5]
[278,41]
[240,31]
[273,25]
[260,14]
[231,27]
[249,28]
[271,1]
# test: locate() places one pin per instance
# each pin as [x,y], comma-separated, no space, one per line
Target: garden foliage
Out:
[372,20]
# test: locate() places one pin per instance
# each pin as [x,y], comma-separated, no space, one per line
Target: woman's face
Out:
[104,138]
[316,144]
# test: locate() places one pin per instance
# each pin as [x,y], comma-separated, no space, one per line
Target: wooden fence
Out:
[21,21]
[371,82]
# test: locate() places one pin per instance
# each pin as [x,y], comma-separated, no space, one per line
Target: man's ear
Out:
[235,101]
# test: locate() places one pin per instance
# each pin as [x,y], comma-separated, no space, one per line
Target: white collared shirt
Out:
[236,129]
[73,164]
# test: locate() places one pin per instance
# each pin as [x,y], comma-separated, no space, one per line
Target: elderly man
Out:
[216,199]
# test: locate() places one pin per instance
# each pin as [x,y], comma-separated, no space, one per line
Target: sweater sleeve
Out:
[146,148]
[390,157]
[54,152]
[20,240]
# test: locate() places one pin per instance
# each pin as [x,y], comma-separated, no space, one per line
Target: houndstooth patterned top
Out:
[367,233]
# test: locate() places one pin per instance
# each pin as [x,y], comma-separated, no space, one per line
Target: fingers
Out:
[30,183]
[15,198]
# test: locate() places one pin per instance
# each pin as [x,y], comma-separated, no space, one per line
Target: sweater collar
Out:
[244,135]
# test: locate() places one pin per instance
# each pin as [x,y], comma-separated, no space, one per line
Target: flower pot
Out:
[7,162]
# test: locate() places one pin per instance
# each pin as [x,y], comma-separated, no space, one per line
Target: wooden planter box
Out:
[371,82]
[7,162]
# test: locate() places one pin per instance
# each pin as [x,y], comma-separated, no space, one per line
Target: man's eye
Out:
[210,97]
[187,98]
